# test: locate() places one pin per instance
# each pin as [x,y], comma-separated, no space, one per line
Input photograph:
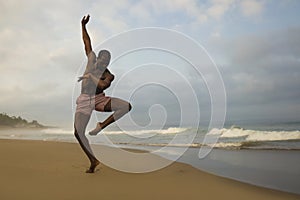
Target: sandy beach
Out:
[55,170]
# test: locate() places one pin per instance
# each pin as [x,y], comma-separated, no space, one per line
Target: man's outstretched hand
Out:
[85,20]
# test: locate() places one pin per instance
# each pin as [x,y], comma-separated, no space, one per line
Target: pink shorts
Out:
[86,103]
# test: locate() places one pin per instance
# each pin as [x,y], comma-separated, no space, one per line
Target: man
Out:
[95,80]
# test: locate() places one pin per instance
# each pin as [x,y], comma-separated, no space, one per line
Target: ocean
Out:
[263,154]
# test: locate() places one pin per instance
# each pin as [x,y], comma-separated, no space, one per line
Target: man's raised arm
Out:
[85,35]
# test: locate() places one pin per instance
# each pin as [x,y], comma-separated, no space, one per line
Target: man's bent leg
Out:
[120,107]
[81,121]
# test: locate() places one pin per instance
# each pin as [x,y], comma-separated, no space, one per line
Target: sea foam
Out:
[255,135]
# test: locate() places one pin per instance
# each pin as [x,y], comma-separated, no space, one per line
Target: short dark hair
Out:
[104,51]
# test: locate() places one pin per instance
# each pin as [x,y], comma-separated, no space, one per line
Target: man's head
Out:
[103,59]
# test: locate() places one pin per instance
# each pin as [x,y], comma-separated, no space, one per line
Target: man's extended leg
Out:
[81,121]
[120,108]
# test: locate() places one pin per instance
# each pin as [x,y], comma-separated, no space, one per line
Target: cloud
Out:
[251,7]
[262,74]
[219,8]
[260,48]
[41,50]
[152,11]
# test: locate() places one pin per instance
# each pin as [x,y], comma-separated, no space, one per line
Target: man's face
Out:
[103,61]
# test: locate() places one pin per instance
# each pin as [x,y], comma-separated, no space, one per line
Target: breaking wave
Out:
[254,135]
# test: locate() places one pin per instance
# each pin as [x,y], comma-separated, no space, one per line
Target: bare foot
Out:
[94,164]
[96,130]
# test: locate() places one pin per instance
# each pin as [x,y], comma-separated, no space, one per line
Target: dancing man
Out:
[95,80]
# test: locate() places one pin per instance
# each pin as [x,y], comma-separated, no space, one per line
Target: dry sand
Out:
[52,170]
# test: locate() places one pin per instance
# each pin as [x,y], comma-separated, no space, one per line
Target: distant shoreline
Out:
[6,127]
[13,122]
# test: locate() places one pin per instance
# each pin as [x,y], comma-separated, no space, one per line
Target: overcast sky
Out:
[255,45]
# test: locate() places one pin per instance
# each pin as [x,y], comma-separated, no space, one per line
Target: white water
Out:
[232,138]
[254,135]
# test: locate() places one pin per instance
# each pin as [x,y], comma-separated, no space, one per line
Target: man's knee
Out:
[76,133]
[78,130]
[128,107]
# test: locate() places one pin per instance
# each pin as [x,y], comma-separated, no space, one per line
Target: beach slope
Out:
[53,170]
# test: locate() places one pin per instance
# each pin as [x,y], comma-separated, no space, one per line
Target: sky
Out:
[254,44]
